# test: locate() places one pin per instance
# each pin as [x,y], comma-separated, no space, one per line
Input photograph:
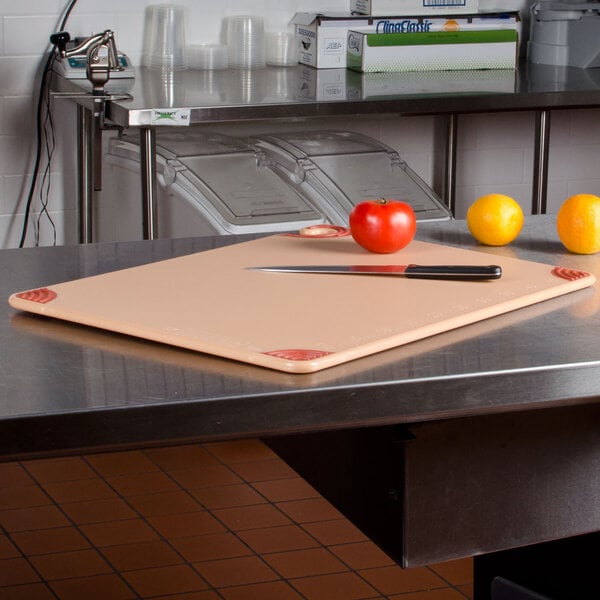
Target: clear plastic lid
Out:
[338,169]
[231,181]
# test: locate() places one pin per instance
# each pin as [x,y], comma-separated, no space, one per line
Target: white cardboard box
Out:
[432,51]
[322,38]
[413,7]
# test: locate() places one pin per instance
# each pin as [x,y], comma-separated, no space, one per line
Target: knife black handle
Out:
[454,271]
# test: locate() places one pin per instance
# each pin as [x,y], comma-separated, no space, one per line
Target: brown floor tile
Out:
[121,463]
[99,587]
[338,531]
[466,589]
[192,479]
[14,571]
[395,580]
[186,525]
[164,503]
[146,555]
[240,451]
[271,590]
[211,547]
[203,595]
[362,555]
[310,510]
[14,475]
[227,496]
[176,579]
[283,530]
[153,482]
[24,496]
[303,563]
[28,591]
[98,511]
[442,594]
[251,517]
[79,490]
[181,457]
[59,469]
[337,586]
[277,539]
[456,572]
[235,571]
[280,490]
[263,470]
[27,519]
[119,533]
[65,565]
[46,541]
[7,548]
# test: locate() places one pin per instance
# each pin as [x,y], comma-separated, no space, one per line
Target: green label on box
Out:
[441,37]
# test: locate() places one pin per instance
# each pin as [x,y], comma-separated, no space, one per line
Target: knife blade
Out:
[460,272]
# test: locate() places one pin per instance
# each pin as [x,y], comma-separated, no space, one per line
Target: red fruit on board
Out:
[383,226]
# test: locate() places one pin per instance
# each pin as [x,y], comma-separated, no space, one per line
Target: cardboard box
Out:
[432,51]
[413,7]
[322,38]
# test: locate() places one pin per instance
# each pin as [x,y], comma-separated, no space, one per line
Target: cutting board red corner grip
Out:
[211,302]
[39,296]
[572,274]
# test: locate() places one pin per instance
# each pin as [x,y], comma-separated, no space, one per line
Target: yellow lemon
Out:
[578,224]
[495,219]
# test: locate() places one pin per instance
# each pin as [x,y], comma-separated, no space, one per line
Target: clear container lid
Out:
[229,179]
[338,169]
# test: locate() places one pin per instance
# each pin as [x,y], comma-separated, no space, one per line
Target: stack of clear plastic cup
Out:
[208,56]
[281,48]
[246,42]
[164,40]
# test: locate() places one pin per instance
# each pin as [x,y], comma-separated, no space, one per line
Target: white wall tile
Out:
[18,75]
[27,35]
[17,116]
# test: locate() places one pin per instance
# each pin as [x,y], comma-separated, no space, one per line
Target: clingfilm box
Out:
[432,51]
[322,38]
[413,7]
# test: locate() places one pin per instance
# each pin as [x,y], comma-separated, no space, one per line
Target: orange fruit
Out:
[578,224]
[495,219]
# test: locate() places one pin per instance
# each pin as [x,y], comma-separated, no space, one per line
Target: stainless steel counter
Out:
[482,441]
[304,92]
[66,387]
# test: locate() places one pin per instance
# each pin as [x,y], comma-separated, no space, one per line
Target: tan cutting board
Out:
[298,323]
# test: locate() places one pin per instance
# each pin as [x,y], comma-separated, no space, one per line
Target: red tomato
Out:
[383,226]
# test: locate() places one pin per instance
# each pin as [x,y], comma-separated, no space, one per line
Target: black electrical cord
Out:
[40,125]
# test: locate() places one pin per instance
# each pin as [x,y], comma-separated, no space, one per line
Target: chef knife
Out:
[462,272]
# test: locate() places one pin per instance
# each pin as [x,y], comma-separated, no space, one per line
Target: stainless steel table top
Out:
[300,91]
[65,387]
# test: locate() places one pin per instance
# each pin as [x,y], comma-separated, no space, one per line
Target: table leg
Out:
[540,169]
[450,175]
[85,169]
[148,174]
